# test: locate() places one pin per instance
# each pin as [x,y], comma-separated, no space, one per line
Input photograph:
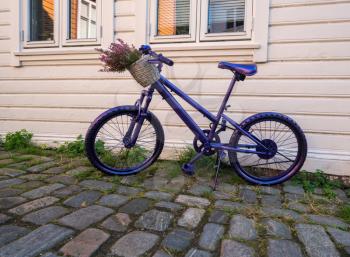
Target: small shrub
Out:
[186,155]
[18,140]
[311,181]
[74,148]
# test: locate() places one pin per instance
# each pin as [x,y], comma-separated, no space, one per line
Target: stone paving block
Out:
[198,253]
[227,188]
[10,182]
[328,220]
[130,180]
[85,217]
[221,195]
[78,170]
[46,215]
[154,220]
[4,218]
[248,196]
[36,242]
[8,233]
[340,194]
[211,235]
[316,241]
[271,200]
[41,167]
[85,244]
[293,197]
[155,195]
[118,222]
[339,236]
[155,183]
[34,176]
[232,206]
[283,248]
[218,216]
[97,185]
[299,207]
[49,255]
[67,191]
[169,206]
[191,218]
[242,228]
[275,212]
[200,190]
[33,205]
[192,201]
[176,184]
[136,206]
[269,191]
[129,191]
[178,240]
[9,202]
[134,244]
[9,192]
[11,172]
[42,191]
[27,186]
[55,170]
[230,248]
[83,199]
[6,161]
[299,190]
[161,253]
[277,229]
[113,200]
[62,179]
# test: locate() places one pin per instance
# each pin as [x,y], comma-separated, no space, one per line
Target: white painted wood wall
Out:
[307,76]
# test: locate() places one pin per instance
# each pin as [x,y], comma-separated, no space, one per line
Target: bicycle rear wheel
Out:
[105,147]
[282,136]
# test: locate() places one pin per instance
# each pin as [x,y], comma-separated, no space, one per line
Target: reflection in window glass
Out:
[226,16]
[173,17]
[82,19]
[41,20]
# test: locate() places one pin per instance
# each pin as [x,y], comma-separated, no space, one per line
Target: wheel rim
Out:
[111,151]
[283,143]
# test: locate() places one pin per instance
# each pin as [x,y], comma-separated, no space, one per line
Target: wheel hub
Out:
[271,150]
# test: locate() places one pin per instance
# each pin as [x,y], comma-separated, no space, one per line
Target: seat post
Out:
[222,107]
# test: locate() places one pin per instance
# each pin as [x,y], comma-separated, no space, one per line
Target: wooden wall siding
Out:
[306,77]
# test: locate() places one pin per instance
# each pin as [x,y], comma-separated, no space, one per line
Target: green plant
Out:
[311,181]
[74,148]
[18,140]
[344,213]
[119,56]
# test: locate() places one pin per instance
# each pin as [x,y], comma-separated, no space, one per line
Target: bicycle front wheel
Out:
[106,150]
[283,138]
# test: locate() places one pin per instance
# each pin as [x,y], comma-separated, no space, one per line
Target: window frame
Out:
[153,25]
[81,42]
[248,25]
[26,27]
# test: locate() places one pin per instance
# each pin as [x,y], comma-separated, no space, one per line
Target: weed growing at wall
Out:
[74,148]
[18,140]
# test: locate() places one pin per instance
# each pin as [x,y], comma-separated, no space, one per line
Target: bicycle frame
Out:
[162,87]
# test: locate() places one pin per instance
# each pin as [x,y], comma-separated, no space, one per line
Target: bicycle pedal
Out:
[188,169]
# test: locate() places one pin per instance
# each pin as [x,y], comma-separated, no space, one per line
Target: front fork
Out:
[136,123]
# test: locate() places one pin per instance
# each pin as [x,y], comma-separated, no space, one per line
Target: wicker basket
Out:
[144,72]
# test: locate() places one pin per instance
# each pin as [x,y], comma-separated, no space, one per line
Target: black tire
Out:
[251,124]
[104,118]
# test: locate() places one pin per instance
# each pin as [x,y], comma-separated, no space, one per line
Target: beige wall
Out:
[307,76]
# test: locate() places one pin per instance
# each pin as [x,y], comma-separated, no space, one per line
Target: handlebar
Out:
[146,49]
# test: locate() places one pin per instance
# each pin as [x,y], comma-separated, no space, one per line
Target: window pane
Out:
[173,17]
[41,16]
[226,16]
[82,19]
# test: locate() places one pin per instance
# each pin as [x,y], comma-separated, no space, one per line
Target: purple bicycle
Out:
[266,148]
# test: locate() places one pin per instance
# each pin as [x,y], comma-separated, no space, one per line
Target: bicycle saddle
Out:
[245,69]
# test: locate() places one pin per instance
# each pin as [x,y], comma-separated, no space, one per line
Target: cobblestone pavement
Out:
[54,207]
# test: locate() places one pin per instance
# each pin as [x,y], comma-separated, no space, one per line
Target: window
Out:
[173,20]
[176,20]
[78,21]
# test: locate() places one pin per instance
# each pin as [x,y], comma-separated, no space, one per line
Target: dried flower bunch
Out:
[119,56]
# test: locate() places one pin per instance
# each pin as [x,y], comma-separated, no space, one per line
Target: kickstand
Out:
[217,167]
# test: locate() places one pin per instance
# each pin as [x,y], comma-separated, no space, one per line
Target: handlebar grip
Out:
[165,60]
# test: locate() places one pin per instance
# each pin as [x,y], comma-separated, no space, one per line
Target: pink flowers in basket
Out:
[119,56]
